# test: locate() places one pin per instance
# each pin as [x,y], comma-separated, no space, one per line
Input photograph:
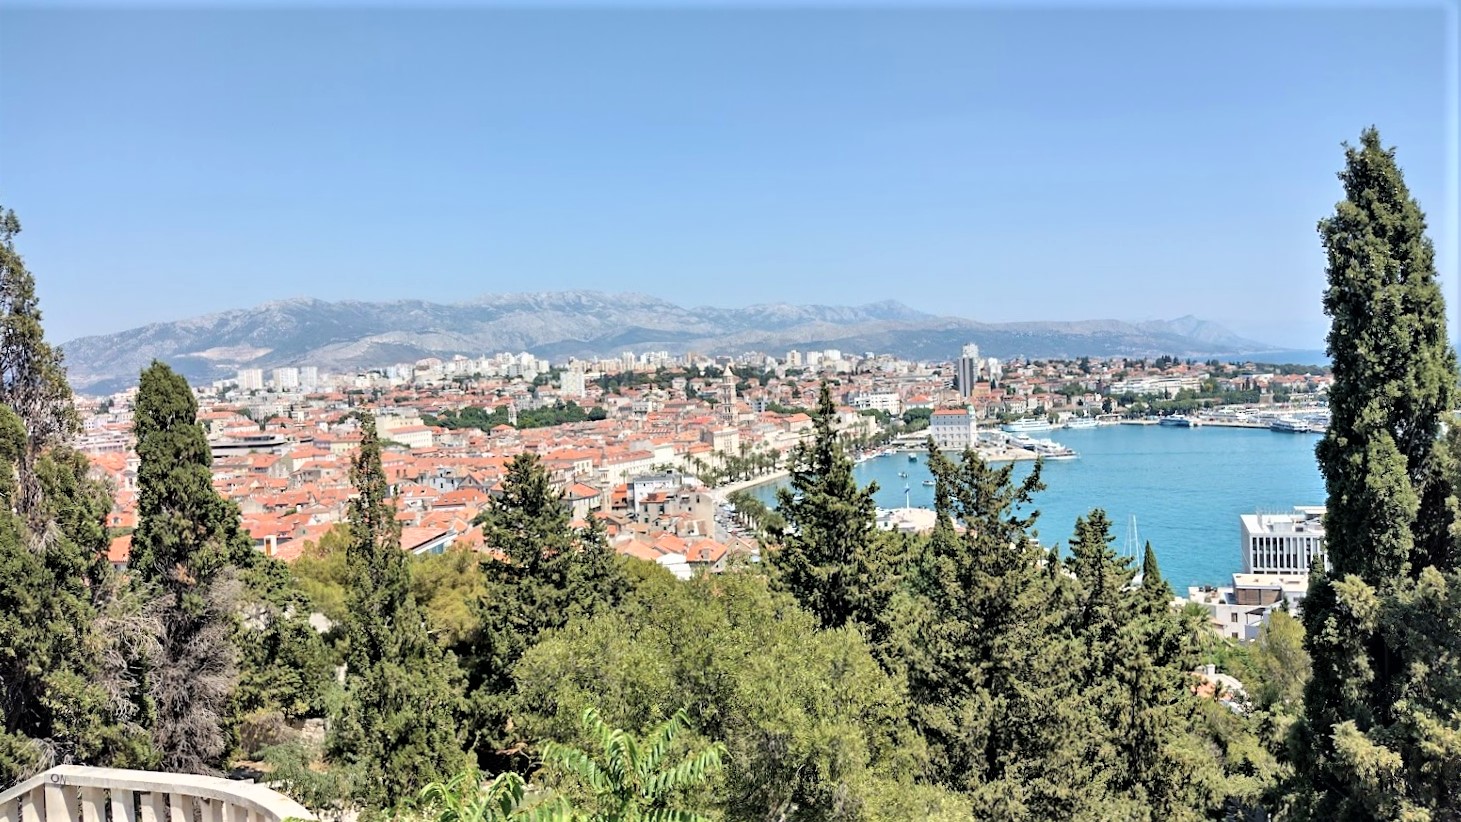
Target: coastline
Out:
[720,492]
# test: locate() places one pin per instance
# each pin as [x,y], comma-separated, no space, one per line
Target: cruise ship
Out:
[1028,424]
[1180,421]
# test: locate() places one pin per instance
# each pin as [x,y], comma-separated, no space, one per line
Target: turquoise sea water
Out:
[1185,486]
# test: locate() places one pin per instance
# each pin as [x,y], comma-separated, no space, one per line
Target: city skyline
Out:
[996,165]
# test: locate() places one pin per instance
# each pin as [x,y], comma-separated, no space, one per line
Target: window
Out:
[1233,617]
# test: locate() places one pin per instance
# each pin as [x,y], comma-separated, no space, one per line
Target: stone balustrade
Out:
[74,793]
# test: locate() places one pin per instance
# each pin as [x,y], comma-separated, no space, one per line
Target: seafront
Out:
[1185,486]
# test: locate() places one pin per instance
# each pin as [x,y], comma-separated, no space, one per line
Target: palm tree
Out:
[466,798]
[627,776]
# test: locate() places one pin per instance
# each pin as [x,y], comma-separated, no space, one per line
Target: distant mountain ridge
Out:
[352,334]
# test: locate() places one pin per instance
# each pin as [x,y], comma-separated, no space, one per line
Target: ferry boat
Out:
[1289,425]
[1179,421]
[1027,425]
[1077,423]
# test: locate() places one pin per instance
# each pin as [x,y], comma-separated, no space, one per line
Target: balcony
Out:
[74,793]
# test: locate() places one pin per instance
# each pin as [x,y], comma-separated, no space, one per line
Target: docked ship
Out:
[1027,425]
[1180,421]
[1289,425]
[1077,423]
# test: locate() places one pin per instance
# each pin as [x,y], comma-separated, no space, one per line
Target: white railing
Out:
[74,793]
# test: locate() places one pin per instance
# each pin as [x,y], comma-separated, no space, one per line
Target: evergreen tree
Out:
[830,555]
[1381,710]
[32,381]
[985,664]
[541,572]
[397,730]
[185,556]
[57,702]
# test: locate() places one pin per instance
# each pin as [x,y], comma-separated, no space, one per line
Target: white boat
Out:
[1052,450]
[1289,425]
[1180,421]
[1027,425]
[929,483]
[1077,423]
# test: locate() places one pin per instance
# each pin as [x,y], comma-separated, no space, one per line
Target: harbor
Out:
[1186,487]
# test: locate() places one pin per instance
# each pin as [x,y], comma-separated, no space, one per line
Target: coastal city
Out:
[752,413]
[655,445]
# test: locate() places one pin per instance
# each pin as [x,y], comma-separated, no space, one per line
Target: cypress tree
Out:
[185,554]
[57,704]
[540,573]
[397,730]
[1384,698]
[829,553]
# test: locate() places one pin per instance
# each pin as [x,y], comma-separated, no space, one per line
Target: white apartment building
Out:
[286,379]
[888,401]
[1156,385]
[1283,543]
[953,429]
[251,379]
[309,377]
[573,382]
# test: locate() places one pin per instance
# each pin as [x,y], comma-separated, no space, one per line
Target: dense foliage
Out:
[970,672]
[1382,715]
[556,414]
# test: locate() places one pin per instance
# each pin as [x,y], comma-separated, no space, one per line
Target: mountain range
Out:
[351,334]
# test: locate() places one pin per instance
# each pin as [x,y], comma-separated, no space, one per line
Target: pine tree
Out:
[32,381]
[185,554]
[57,704]
[397,730]
[829,557]
[541,573]
[1384,697]
[985,664]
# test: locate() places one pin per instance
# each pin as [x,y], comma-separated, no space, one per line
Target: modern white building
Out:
[286,379]
[1277,552]
[968,370]
[888,401]
[574,382]
[953,429]
[1283,543]
[251,379]
[309,377]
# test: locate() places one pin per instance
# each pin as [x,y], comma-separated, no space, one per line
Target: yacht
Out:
[1052,450]
[1077,423]
[1180,421]
[1027,425]
[929,483]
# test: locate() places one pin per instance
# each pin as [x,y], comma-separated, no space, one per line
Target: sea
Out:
[1182,489]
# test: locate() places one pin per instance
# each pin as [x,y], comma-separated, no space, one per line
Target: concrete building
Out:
[888,401]
[1283,543]
[309,377]
[968,370]
[953,429]
[251,379]
[286,379]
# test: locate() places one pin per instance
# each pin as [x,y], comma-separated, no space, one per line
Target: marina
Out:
[1187,487]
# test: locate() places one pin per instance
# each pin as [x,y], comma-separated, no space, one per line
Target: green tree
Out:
[830,555]
[185,556]
[1381,715]
[66,693]
[629,779]
[540,573]
[397,730]
[814,729]
[467,798]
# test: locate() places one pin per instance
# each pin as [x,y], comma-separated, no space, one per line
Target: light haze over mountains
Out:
[349,335]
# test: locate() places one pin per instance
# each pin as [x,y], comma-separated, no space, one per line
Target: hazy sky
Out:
[996,164]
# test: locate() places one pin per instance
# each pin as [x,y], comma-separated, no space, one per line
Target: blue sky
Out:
[998,164]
